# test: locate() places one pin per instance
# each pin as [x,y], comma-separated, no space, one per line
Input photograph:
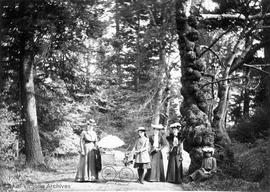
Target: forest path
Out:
[63,180]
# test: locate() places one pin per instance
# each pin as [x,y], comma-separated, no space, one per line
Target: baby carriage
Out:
[112,169]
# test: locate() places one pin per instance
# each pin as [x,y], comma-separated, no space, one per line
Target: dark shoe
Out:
[141,181]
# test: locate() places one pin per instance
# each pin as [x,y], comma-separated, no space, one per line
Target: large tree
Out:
[39,38]
[198,130]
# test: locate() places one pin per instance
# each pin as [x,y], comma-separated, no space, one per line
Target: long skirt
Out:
[87,165]
[156,173]
[174,171]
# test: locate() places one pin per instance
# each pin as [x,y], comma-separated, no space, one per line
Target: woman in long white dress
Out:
[87,164]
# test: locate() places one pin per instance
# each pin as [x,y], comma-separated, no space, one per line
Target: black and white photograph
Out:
[134,95]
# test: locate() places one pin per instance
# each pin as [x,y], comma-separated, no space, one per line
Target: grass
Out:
[13,175]
[24,178]
[222,182]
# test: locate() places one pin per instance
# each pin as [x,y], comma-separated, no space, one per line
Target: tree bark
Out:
[158,99]
[198,131]
[33,151]
[219,121]
[167,105]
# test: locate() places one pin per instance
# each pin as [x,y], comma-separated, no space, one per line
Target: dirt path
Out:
[63,180]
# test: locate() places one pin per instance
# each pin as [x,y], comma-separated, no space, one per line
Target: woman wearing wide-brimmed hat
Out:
[208,168]
[175,170]
[87,164]
[157,141]
[141,153]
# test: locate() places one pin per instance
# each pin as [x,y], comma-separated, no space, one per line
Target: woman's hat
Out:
[208,149]
[159,126]
[175,125]
[141,129]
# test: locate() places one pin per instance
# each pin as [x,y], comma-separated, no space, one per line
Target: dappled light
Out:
[126,95]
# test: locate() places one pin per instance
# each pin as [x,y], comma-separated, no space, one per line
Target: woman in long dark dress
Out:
[87,164]
[156,173]
[175,170]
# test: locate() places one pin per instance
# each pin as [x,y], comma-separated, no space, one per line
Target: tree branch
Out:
[256,68]
[215,41]
[247,56]
[233,16]
[212,51]
[221,80]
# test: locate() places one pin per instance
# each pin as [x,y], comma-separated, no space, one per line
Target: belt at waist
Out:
[88,141]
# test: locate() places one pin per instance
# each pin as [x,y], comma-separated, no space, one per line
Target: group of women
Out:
[148,158]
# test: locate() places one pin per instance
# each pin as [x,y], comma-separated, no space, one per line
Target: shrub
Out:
[8,138]
[250,129]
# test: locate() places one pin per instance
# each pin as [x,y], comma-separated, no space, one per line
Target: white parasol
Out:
[110,141]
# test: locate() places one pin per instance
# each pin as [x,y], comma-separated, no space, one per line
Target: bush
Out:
[250,129]
[8,138]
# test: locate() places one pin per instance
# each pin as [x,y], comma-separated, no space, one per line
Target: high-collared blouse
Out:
[157,141]
[89,136]
[175,142]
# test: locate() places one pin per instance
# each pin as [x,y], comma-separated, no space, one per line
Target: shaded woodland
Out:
[131,63]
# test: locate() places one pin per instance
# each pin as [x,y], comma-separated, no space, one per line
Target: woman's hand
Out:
[82,152]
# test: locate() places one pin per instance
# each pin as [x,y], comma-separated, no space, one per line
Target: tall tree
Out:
[42,34]
[198,130]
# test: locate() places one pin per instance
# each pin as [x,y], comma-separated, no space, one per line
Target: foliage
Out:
[250,129]
[53,32]
[8,141]
[250,162]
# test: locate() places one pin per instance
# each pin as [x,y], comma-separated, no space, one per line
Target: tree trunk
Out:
[198,131]
[34,156]
[219,121]
[158,99]
[220,112]
[167,105]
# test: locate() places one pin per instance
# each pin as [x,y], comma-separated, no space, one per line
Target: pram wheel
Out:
[126,174]
[108,173]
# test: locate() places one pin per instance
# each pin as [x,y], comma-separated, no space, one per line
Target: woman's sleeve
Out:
[163,141]
[82,142]
[203,163]
[214,166]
